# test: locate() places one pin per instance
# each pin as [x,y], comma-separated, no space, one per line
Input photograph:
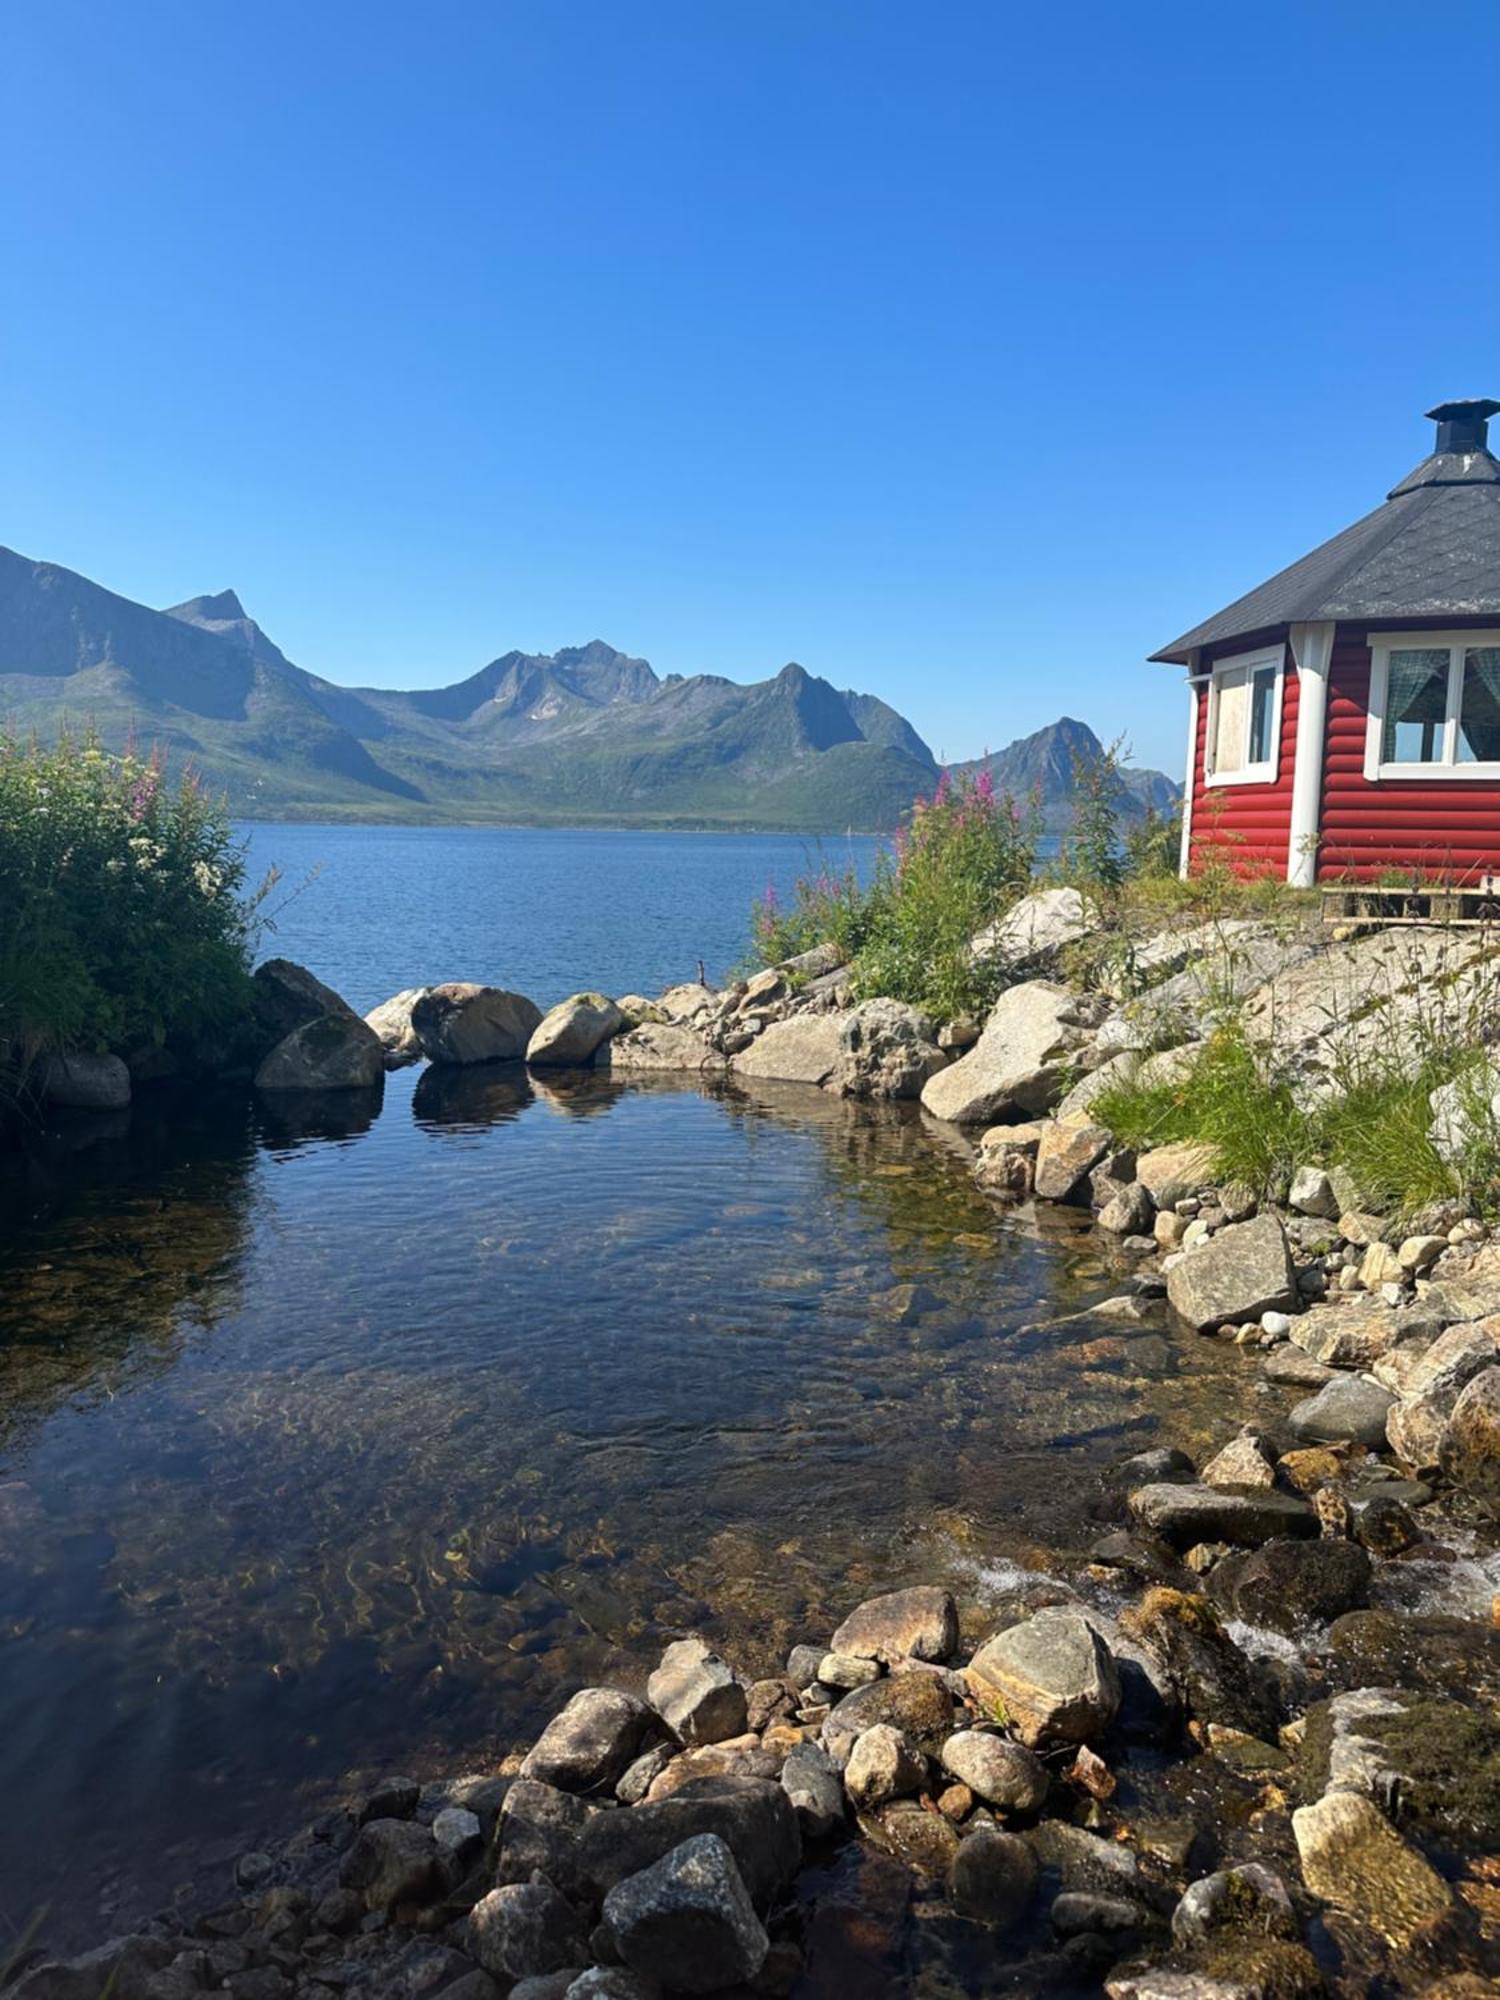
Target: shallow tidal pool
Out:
[349,1440]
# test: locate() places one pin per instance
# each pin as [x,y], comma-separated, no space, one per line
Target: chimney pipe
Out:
[1464,426]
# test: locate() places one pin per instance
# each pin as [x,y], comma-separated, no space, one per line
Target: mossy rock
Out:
[1448,1757]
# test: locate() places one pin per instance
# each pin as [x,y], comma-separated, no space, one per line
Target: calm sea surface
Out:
[343,1439]
[376,908]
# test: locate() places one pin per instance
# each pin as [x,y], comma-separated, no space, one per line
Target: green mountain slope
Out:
[587,735]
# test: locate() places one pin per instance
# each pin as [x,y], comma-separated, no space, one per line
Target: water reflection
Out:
[342,1449]
[301,1117]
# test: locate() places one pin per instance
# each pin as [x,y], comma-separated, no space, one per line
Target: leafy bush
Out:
[831,907]
[122,919]
[965,857]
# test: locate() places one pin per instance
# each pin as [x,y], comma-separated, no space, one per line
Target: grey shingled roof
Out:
[1432,550]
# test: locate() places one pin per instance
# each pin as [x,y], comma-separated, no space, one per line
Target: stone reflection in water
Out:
[115,1253]
[302,1117]
[475,1423]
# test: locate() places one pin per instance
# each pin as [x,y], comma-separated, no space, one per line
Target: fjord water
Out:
[342,1439]
[545,911]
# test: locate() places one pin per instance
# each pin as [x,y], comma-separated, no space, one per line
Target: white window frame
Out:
[1248,664]
[1449,770]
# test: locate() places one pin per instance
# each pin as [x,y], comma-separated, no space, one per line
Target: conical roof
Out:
[1431,550]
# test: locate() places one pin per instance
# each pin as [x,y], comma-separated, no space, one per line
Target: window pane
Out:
[1262,692]
[1229,736]
[1416,707]
[1479,708]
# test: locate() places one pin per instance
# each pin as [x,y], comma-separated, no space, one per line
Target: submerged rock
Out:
[993,1877]
[1353,1858]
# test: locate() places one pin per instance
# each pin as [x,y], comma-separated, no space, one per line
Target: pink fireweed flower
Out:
[940,796]
[984,785]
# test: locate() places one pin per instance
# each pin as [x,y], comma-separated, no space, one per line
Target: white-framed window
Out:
[1434,706]
[1244,718]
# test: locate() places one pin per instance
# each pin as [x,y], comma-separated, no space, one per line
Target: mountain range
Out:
[587,735]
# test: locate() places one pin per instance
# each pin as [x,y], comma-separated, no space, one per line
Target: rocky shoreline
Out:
[1233,1755]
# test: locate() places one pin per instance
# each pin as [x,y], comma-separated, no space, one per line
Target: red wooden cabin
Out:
[1345,716]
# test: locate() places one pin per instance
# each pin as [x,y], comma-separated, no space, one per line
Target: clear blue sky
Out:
[964,353]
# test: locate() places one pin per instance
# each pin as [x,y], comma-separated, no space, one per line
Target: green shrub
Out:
[831,907]
[122,919]
[965,858]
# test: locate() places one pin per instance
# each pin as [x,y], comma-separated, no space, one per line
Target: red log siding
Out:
[1246,827]
[1443,828]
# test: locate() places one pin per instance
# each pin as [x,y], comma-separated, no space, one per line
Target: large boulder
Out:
[591,1744]
[391,1861]
[1430,1389]
[1051,1678]
[85,1082]
[462,1022]
[696,1694]
[1037,927]
[330,1052]
[1466,1112]
[805,1048]
[1245,1270]
[1381,998]
[661,1045]
[1288,1585]
[575,1030]
[1353,1858]
[1185,1515]
[284,996]
[524,1929]
[918,1624]
[1348,1407]
[752,1816]
[1018,1067]
[886,1049]
[1352,1334]
[1469,1452]
[1065,1155]
[687,1921]
[391,1021]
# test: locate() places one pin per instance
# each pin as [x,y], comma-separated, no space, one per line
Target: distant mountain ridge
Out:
[586,735]
[1041,766]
